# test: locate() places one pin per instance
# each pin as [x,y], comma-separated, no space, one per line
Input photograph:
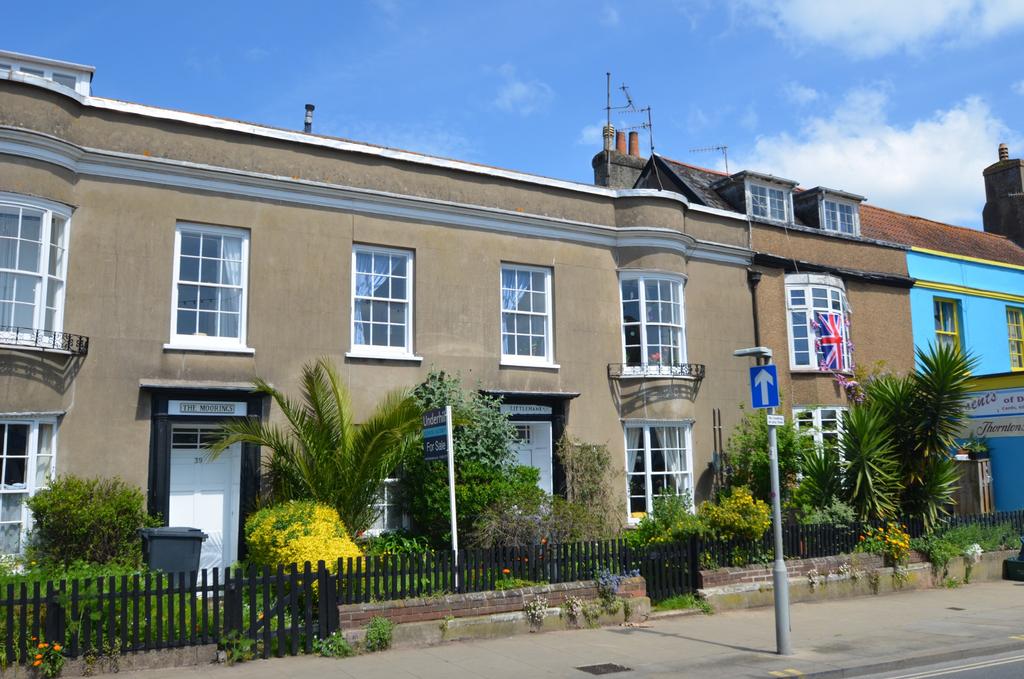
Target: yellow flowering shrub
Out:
[738,516]
[296,532]
[891,541]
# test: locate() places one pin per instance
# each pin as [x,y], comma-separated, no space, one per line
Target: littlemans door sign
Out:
[208,408]
[525,409]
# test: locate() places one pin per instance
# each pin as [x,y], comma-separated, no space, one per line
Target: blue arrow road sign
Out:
[764,386]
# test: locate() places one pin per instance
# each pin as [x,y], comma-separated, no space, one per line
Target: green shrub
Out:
[991,538]
[296,532]
[672,520]
[485,471]
[748,455]
[396,543]
[87,520]
[683,602]
[378,634]
[838,513]
[334,646]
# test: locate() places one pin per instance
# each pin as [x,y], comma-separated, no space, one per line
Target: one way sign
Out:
[764,386]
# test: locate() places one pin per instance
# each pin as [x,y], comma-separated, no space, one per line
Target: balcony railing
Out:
[692,371]
[47,340]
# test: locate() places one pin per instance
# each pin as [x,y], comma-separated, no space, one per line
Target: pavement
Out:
[866,636]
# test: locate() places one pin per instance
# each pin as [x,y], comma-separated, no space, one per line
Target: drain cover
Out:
[955,608]
[603,668]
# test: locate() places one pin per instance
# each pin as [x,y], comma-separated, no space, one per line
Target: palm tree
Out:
[320,453]
[872,471]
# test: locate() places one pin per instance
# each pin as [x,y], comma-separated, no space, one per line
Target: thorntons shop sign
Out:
[997,413]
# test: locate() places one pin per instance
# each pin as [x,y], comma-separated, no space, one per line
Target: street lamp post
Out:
[780,575]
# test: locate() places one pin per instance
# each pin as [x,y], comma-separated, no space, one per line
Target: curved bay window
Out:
[652,323]
[658,462]
[819,323]
[33,265]
[27,450]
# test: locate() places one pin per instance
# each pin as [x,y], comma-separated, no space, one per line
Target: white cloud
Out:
[930,167]
[592,135]
[1018,87]
[800,94]
[609,16]
[521,96]
[871,28]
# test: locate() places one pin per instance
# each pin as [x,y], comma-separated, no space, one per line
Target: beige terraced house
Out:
[152,262]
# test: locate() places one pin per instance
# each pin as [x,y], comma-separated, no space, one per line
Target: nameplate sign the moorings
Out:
[436,434]
[524,409]
[208,408]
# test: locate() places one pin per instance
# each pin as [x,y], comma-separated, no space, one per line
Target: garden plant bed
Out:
[189,656]
[751,587]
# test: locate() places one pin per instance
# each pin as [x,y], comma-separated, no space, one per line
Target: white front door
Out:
[533,449]
[204,493]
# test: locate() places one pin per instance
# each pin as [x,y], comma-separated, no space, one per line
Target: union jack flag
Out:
[831,340]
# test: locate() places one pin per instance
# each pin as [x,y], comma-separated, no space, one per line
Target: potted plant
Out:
[976,447]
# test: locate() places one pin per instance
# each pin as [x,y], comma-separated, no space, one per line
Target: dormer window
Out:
[75,77]
[840,217]
[768,202]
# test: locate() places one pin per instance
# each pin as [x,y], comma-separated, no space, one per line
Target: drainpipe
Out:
[753,278]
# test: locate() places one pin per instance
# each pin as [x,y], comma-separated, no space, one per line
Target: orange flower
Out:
[39,656]
[505,571]
[37,663]
[42,646]
[56,647]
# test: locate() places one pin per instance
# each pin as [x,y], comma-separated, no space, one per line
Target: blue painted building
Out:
[969,291]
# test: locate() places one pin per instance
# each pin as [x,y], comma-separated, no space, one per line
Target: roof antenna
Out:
[630,107]
[308,126]
[720,147]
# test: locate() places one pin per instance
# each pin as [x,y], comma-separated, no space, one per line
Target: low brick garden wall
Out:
[353,616]
[722,577]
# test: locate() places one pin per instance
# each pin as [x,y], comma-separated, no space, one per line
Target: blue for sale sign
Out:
[436,433]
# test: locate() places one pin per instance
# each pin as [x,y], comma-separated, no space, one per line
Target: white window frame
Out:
[32,454]
[816,430]
[787,201]
[806,282]
[203,342]
[645,369]
[43,274]
[404,353]
[548,359]
[387,498]
[823,216]
[646,425]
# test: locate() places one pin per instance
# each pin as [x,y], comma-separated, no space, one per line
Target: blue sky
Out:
[903,102]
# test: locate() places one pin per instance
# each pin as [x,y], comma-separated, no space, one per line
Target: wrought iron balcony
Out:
[691,371]
[47,340]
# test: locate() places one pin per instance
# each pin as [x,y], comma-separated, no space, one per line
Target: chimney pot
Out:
[620,142]
[609,136]
[308,124]
[1004,152]
[634,144]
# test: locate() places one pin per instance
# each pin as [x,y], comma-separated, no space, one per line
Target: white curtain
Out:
[367,283]
[232,254]
[634,447]
[513,288]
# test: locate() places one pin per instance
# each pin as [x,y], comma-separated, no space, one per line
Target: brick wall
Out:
[722,577]
[351,616]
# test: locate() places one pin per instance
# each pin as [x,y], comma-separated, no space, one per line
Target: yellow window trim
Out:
[1015,320]
[937,303]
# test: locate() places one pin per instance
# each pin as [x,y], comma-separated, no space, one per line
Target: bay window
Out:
[33,266]
[652,324]
[658,461]
[819,323]
[27,452]
[823,423]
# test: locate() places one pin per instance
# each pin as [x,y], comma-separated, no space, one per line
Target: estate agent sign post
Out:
[437,445]
[764,394]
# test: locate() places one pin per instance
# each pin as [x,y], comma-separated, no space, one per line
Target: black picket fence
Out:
[806,542]
[281,612]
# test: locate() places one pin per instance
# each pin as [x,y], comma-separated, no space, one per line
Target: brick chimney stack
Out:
[1004,197]
[618,168]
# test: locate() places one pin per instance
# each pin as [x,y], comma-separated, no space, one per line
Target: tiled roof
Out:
[699,180]
[896,227]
